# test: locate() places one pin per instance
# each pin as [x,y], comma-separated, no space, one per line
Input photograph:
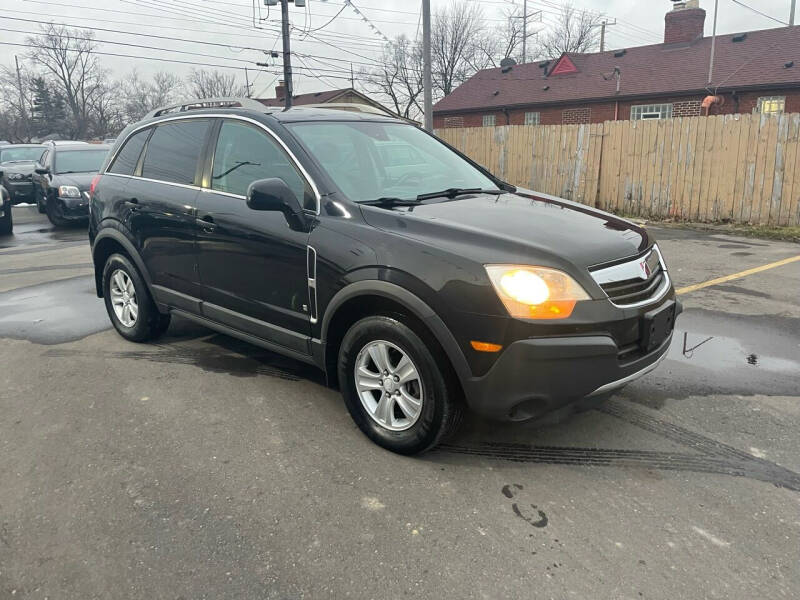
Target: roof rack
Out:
[200,103]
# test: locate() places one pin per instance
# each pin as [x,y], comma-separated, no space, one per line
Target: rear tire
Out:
[40,204]
[408,402]
[129,304]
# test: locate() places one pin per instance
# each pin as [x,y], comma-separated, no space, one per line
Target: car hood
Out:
[26,168]
[80,180]
[522,228]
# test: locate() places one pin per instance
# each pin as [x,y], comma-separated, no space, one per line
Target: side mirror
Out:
[42,170]
[273,194]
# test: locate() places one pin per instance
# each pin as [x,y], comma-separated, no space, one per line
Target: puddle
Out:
[721,353]
[54,312]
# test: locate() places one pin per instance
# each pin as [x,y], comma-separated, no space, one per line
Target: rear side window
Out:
[128,157]
[173,150]
[245,153]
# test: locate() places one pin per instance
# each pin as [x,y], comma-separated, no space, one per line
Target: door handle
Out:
[207,223]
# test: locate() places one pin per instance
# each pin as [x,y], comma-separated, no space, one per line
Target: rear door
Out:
[162,197]
[252,264]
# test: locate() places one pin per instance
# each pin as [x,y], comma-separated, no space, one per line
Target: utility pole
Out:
[247,82]
[352,79]
[287,57]
[524,31]
[791,13]
[713,44]
[603,26]
[426,69]
[22,100]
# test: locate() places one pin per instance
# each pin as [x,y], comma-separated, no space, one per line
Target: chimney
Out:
[280,89]
[684,23]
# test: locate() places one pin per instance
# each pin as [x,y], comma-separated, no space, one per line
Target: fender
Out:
[411,302]
[115,232]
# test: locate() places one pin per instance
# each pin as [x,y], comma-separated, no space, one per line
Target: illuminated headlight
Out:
[69,191]
[15,176]
[535,292]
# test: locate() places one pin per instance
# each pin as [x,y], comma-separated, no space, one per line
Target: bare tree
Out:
[105,111]
[399,78]
[17,104]
[575,31]
[455,50]
[502,41]
[67,55]
[213,84]
[140,97]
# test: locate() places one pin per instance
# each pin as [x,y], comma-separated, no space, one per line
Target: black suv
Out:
[418,281]
[62,177]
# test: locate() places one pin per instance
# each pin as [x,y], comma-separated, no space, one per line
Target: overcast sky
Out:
[235,37]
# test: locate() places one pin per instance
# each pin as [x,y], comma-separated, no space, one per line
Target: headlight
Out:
[69,191]
[15,176]
[535,292]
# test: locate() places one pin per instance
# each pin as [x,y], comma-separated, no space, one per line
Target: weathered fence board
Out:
[740,168]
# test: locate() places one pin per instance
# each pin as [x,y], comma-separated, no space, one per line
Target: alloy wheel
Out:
[389,385]
[123,298]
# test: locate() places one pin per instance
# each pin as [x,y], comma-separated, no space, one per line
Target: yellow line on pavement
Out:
[718,280]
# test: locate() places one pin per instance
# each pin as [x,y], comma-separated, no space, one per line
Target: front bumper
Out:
[74,208]
[20,192]
[539,375]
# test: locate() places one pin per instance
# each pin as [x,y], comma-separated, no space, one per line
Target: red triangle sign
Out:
[563,66]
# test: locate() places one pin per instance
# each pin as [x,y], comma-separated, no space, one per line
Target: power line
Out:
[758,12]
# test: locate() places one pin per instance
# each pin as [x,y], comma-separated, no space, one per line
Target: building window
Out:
[641,112]
[488,120]
[771,105]
[532,118]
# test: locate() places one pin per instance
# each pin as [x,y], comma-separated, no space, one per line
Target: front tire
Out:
[128,301]
[6,221]
[394,387]
[55,214]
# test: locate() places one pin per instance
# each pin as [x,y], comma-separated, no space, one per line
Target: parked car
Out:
[17,162]
[63,142]
[419,293]
[6,218]
[109,141]
[62,177]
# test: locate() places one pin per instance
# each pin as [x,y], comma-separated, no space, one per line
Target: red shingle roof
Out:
[657,70]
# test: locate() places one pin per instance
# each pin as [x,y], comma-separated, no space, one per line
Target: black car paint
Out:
[19,190]
[427,259]
[46,184]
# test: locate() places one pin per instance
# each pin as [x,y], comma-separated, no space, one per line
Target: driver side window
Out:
[245,154]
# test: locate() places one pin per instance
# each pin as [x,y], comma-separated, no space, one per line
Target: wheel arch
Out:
[364,298]
[107,242]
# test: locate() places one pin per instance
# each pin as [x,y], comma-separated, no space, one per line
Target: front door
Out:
[252,264]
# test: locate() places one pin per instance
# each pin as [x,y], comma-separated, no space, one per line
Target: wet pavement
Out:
[202,467]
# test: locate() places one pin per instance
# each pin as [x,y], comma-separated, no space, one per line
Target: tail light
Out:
[95,181]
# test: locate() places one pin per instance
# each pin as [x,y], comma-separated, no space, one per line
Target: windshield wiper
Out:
[389,201]
[453,192]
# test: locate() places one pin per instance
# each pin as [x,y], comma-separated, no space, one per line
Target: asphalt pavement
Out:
[202,467]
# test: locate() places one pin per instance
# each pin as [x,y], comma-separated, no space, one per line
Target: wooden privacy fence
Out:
[738,168]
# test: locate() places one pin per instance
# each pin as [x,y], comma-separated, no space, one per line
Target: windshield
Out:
[20,154]
[79,161]
[369,160]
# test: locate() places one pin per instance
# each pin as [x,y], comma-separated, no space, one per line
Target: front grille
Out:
[635,282]
[631,291]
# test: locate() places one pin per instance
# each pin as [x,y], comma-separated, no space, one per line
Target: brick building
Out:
[756,71]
